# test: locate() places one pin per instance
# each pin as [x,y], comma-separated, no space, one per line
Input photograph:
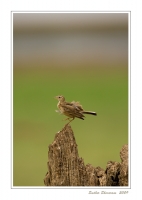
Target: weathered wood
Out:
[123,177]
[66,168]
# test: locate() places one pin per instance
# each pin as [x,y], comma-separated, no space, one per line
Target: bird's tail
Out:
[89,112]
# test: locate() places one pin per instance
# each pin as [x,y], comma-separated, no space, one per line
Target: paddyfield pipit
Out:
[71,110]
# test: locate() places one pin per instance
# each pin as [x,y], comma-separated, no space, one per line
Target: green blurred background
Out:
[83,56]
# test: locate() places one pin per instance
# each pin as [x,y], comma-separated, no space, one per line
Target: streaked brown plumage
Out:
[72,110]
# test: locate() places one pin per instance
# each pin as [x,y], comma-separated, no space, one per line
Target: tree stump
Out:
[66,168]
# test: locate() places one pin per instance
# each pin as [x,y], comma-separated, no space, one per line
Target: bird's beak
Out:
[55,97]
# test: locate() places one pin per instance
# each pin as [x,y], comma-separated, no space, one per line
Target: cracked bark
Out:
[66,168]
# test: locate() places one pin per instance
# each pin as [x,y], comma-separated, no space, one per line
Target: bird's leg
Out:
[70,121]
[66,119]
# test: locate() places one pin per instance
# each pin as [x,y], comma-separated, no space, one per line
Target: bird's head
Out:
[60,98]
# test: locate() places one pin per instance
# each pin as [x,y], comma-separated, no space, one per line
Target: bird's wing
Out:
[77,105]
[72,110]
[69,107]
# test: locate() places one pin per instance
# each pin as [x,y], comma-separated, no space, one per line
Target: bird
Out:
[71,110]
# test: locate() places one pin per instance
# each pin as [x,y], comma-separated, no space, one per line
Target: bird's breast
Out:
[59,106]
